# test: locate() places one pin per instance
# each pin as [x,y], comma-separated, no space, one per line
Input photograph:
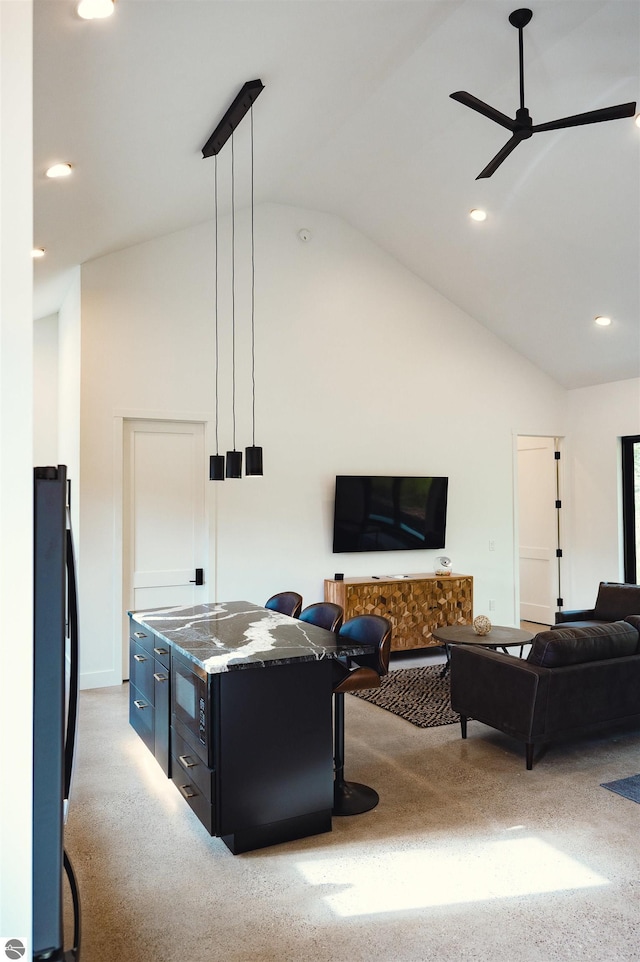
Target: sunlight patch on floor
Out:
[397,881]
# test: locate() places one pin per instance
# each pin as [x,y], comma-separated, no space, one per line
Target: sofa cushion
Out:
[574,646]
[579,623]
[615,602]
[634,621]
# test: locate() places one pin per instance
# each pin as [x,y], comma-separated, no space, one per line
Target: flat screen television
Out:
[389,514]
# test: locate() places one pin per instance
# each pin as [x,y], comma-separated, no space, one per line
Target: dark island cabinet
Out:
[149,691]
[243,725]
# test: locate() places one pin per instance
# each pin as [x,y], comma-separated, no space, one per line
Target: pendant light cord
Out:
[253,272]
[233,296]
[215,181]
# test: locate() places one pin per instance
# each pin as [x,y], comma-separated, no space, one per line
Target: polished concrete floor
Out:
[467,858]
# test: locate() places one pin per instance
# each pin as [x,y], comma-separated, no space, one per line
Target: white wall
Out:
[16,470]
[597,418]
[68,400]
[45,390]
[361,368]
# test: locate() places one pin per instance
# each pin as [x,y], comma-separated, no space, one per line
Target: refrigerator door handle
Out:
[72,716]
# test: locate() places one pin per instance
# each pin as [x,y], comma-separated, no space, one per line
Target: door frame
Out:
[630,510]
[561,578]
[207,419]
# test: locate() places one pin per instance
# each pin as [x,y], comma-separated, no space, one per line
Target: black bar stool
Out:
[325,614]
[361,671]
[286,602]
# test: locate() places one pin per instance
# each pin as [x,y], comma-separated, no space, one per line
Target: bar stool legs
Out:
[349,798]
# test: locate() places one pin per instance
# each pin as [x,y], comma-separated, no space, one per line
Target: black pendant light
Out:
[231,466]
[234,458]
[216,461]
[253,454]
[216,467]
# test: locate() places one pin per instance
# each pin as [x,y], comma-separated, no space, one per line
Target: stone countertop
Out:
[227,635]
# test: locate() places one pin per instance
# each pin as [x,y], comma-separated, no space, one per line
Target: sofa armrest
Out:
[499,690]
[577,614]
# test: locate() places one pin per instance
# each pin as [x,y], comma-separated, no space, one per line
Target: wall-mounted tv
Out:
[389,514]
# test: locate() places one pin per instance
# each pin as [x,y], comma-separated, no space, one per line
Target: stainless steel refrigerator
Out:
[55,712]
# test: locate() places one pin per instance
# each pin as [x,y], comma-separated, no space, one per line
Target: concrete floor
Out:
[467,857]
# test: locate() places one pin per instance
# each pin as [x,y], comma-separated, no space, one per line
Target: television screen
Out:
[389,514]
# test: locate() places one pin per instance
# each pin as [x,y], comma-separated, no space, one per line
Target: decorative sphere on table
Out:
[481,625]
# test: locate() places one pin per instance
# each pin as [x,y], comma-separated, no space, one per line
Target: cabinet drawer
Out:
[161,704]
[150,642]
[141,669]
[195,798]
[142,716]
[162,652]
[192,768]
[142,636]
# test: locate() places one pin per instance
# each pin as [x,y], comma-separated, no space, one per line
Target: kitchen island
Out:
[242,720]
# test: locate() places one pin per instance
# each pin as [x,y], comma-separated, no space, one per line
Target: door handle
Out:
[199,578]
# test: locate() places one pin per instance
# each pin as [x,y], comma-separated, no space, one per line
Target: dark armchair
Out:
[614,602]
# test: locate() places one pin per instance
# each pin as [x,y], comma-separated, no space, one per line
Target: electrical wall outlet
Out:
[492,546]
[492,604]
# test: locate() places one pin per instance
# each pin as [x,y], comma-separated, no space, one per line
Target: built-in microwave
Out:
[190,706]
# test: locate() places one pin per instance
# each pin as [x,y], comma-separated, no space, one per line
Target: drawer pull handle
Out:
[139,634]
[161,651]
[187,791]
[187,761]
[158,675]
[139,658]
[140,704]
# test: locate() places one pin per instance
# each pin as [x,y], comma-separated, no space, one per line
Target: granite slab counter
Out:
[230,635]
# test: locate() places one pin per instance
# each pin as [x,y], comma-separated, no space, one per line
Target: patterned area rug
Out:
[419,695]
[627,787]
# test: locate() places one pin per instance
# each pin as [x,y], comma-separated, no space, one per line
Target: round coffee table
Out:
[498,637]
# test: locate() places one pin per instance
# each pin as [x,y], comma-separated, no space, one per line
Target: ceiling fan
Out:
[522,126]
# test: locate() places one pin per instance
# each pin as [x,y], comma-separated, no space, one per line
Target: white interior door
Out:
[165,531]
[538,526]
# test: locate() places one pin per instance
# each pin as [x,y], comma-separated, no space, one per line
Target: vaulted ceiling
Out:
[356,119]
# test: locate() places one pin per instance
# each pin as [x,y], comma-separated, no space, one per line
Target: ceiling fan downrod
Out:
[519,19]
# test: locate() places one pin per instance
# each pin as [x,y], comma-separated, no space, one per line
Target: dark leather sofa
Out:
[613,603]
[573,680]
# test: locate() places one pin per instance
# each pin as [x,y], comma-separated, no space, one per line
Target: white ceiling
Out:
[356,119]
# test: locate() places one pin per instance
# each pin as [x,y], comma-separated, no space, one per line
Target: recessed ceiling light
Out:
[59,170]
[603,321]
[95,9]
[477,214]
[38,252]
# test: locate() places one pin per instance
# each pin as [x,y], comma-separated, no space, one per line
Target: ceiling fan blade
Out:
[590,117]
[470,101]
[502,154]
